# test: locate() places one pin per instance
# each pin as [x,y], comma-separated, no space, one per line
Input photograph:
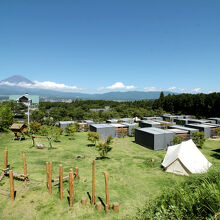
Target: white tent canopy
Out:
[185,158]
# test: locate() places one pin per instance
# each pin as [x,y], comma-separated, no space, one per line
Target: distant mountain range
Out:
[16,85]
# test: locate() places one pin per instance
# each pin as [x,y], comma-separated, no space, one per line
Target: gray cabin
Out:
[153,138]
[148,124]
[190,130]
[201,127]
[104,130]
[130,127]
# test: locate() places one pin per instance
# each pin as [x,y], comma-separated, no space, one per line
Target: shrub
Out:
[104,148]
[198,138]
[34,127]
[50,131]
[196,198]
[93,137]
[6,116]
[177,140]
[133,132]
[70,130]
[123,132]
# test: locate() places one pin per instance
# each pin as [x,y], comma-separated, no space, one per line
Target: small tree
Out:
[77,126]
[104,148]
[132,132]
[198,138]
[52,132]
[123,132]
[44,130]
[93,137]
[177,140]
[34,127]
[56,134]
[70,130]
[6,116]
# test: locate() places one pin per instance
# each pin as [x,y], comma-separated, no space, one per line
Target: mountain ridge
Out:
[53,94]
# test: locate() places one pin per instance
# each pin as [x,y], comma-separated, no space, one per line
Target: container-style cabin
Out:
[148,124]
[201,127]
[130,126]
[153,138]
[104,130]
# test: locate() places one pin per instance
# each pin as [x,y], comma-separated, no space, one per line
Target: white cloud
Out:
[197,90]
[44,85]
[119,85]
[150,89]
[172,88]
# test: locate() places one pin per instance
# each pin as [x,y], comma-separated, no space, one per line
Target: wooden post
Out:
[93,199]
[24,164]
[98,206]
[115,206]
[47,174]
[106,208]
[11,185]
[77,173]
[61,181]
[71,189]
[6,159]
[106,189]
[50,178]
[83,201]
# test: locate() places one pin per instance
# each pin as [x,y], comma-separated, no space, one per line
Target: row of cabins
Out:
[155,132]
[114,130]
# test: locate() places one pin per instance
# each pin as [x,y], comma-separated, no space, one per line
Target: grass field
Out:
[132,178]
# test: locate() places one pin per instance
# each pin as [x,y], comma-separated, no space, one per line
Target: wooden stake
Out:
[71,187]
[61,181]
[106,189]
[77,173]
[93,199]
[47,174]
[115,206]
[6,159]
[83,201]
[24,164]
[50,178]
[98,206]
[106,208]
[11,185]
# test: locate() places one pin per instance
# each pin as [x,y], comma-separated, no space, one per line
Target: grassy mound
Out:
[196,198]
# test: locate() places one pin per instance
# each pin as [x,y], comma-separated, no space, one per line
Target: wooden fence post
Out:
[115,206]
[71,190]
[98,206]
[11,179]
[50,178]
[83,201]
[5,159]
[61,181]
[93,199]
[77,173]
[106,189]
[106,208]
[47,174]
[24,164]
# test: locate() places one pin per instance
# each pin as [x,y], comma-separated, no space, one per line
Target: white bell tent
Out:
[185,158]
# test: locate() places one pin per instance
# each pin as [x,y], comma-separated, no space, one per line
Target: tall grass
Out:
[196,198]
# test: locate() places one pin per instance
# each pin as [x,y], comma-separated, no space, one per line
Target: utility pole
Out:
[28,112]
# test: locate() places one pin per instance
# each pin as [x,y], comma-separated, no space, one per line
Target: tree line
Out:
[48,113]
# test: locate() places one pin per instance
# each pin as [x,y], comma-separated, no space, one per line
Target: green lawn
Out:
[132,178]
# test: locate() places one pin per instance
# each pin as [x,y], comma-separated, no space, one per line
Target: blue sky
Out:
[110,45]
